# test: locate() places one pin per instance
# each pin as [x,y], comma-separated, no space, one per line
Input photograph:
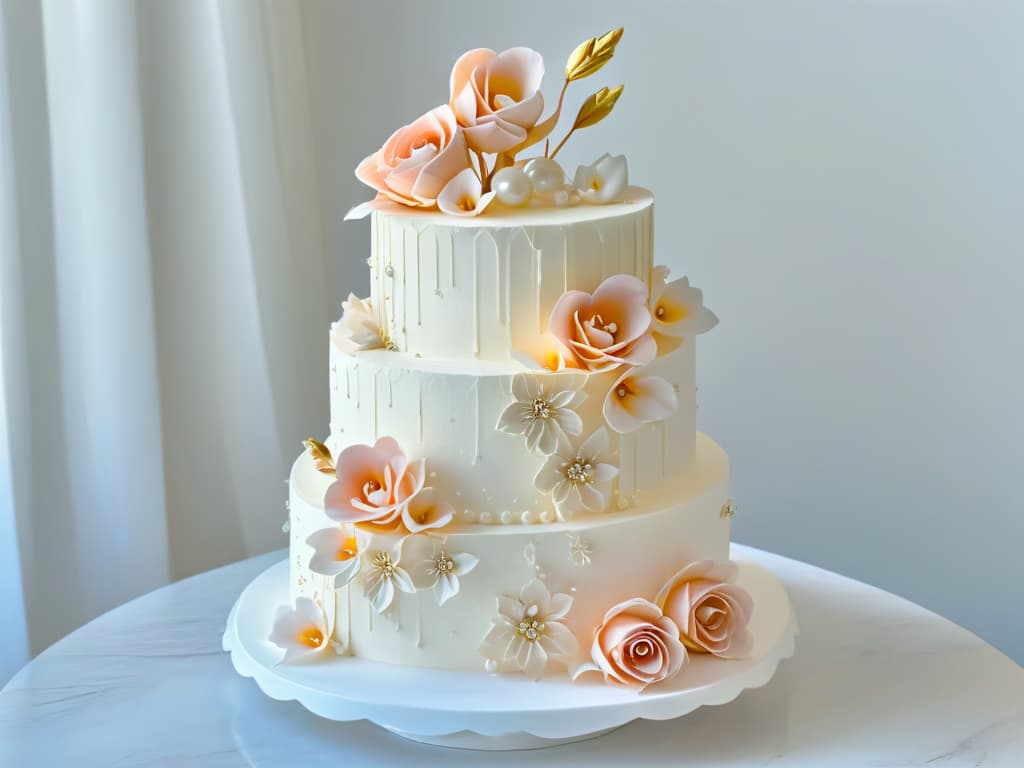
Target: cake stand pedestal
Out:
[474,710]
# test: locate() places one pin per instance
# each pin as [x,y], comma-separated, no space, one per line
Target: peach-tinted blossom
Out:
[374,483]
[677,311]
[496,96]
[710,609]
[636,645]
[636,399]
[301,631]
[419,159]
[608,328]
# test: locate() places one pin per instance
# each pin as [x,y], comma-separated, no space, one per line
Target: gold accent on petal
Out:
[321,455]
[728,509]
[597,107]
[591,55]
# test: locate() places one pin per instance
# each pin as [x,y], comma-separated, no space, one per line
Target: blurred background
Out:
[845,180]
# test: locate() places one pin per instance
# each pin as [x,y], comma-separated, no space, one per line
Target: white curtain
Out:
[163,295]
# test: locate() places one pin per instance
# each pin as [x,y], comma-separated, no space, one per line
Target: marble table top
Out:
[876,681]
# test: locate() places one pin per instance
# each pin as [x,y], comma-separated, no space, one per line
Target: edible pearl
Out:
[506,517]
[545,173]
[512,186]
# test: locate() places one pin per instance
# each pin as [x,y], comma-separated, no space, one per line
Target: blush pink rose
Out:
[637,645]
[608,328]
[496,96]
[374,484]
[419,159]
[710,609]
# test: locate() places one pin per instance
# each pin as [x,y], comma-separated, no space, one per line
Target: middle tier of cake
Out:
[447,413]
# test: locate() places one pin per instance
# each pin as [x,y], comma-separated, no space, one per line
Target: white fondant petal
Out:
[559,606]
[446,587]
[535,661]
[402,582]
[464,563]
[381,594]
[511,419]
[596,444]
[559,641]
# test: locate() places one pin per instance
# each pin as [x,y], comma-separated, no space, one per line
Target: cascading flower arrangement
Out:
[463,155]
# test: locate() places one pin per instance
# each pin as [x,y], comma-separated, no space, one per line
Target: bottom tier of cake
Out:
[459,575]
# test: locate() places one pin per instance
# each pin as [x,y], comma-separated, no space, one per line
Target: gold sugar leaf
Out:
[321,455]
[591,55]
[597,107]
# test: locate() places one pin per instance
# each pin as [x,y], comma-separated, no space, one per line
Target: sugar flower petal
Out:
[636,399]
[463,195]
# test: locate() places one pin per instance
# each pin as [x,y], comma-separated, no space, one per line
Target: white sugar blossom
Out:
[384,575]
[579,478]
[542,410]
[358,329]
[439,568]
[464,195]
[301,631]
[604,181]
[335,553]
[677,311]
[527,632]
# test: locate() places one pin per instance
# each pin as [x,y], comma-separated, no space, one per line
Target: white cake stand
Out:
[473,710]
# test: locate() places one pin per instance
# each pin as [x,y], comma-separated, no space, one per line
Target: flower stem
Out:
[558,111]
[562,142]
[482,173]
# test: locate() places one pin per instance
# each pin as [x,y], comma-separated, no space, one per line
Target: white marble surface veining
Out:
[876,681]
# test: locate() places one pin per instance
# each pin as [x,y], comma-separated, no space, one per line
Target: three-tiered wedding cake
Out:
[513,480]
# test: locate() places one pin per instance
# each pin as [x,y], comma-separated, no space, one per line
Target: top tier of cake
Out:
[484,287]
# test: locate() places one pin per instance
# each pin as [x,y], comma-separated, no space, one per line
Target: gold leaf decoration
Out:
[321,455]
[597,107]
[591,55]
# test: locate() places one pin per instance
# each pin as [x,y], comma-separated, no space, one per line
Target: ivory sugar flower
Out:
[358,329]
[605,329]
[636,399]
[335,553]
[301,631]
[710,609]
[677,311]
[579,478]
[528,630]
[543,410]
[636,645]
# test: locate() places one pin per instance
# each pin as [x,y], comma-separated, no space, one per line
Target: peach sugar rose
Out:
[375,484]
[636,645]
[419,159]
[608,328]
[496,96]
[710,609]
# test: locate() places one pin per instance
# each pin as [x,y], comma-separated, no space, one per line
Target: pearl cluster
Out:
[541,178]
